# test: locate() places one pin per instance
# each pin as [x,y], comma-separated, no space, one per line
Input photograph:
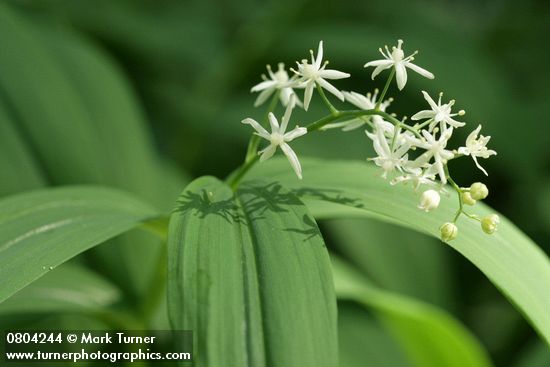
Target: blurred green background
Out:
[189,66]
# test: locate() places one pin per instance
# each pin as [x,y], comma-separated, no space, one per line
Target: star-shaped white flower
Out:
[364,102]
[279,137]
[476,147]
[278,80]
[396,58]
[315,73]
[439,113]
[389,158]
[434,148]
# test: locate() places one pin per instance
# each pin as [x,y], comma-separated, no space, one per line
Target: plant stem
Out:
[383,94]
[459,192]
[333,110]
[357,113]
[236,177]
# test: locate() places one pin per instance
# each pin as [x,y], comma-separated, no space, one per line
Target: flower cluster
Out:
[417,152]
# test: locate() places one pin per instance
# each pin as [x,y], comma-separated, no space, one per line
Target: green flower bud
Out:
[489,223]
[479,191]
[449,231]
[467,198]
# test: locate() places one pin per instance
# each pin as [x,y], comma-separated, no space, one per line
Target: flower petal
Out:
[358,100]
[378,63]
[425,73]
[479,166]
[263,85]
[263,96]
[267,152]
[259,129]
[293,159]
[273,122]
[295,133]
[380,68]
[430,101]
[354,124]
[330,88]
[319,58]
[440,170]
[288,112]
[425,114]
[333,74]
[454,123]
[400,75]
[308,93]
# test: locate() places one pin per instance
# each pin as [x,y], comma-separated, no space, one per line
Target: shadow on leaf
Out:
[258,199]
[204,204]
[333,196]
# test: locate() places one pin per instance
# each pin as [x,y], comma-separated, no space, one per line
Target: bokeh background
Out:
[189,66]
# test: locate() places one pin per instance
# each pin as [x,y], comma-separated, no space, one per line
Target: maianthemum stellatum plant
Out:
[247,267]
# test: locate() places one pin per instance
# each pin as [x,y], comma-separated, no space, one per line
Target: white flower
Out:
[397,59]
[315,73]
[477,147]
[434,148]
[429,200]
[367,102]
[439,114]
[389,158]
[278,80]
[417,176]
[278,137]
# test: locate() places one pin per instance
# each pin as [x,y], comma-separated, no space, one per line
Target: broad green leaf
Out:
[354,189]
[536,355]
[30,77]
[130,159]
[68,288]
[86,127]
[41,230]
[115,115]
[379,248]
[430,336]
[17,164]
[250,275]
[363,340]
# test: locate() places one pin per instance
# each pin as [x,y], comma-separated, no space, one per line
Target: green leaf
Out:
[57,119]
[508,258]
[69,288]
[430,336]
[85,127]
[363,340]
[423,266]
[250,275]
[41,230]
[535,355]
[21,171]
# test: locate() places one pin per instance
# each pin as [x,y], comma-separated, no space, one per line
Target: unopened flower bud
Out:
[467,198]
[489,223]
[429,200]
[479,191]
[449,231]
